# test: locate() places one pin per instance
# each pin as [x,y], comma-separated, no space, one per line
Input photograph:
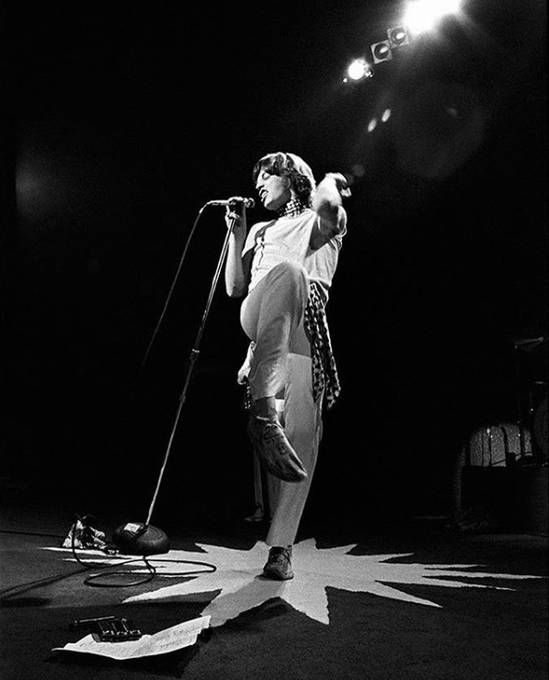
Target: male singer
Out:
[284,268]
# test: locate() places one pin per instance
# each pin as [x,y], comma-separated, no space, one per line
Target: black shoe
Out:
[279,564]
[273,449]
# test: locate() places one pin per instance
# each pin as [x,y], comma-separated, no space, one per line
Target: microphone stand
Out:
[137,538]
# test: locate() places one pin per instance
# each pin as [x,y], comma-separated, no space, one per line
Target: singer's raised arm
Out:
[327,202]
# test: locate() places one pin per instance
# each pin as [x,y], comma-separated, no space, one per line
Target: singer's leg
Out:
[270,315]
[303,427]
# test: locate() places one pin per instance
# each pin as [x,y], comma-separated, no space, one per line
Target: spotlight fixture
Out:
[358,70]
[381,51]
[398,36]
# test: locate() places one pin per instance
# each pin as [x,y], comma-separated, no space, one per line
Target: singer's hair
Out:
[289,165]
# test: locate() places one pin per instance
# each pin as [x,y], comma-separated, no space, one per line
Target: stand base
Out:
[136,538]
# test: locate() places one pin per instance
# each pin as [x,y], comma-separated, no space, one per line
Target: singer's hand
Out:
[236,213]
[341,183]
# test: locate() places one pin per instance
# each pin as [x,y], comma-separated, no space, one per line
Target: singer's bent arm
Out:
[237,267]
[327,203]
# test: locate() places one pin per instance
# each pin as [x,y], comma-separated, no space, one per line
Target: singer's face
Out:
[274,190]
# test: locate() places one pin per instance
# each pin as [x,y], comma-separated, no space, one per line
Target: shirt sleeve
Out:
[249,243]
[322,233]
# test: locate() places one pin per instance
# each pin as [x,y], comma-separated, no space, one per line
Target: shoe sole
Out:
[277,577]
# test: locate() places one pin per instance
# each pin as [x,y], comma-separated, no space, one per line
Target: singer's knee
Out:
[291,275]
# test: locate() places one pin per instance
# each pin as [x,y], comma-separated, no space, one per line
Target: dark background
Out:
[122,119]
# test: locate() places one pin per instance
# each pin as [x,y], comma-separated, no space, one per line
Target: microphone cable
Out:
[172,287]
[249,203]
[113,571]
[14,591]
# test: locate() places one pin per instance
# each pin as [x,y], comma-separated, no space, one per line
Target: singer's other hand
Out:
[341,183]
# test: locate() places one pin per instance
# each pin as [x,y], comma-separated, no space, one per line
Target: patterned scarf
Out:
[292,208]
[325,374]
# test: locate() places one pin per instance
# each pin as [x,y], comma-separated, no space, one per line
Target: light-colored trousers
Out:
[272,316]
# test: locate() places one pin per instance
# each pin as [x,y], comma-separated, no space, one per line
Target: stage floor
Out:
[410,600]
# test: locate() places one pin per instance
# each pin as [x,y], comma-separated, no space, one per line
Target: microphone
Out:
[248,202]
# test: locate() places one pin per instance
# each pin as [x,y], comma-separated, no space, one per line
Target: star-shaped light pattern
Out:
[237,585]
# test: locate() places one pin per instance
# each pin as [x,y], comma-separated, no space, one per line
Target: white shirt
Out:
[289,239]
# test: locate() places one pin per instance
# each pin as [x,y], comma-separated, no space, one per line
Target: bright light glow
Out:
[423,15]
[386,115]
[372,125]
[358,69]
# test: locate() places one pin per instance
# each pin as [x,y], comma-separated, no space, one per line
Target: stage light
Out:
[398,36]
[358,69]
[381,51]
[423,15]
[376,120]
[385,115]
